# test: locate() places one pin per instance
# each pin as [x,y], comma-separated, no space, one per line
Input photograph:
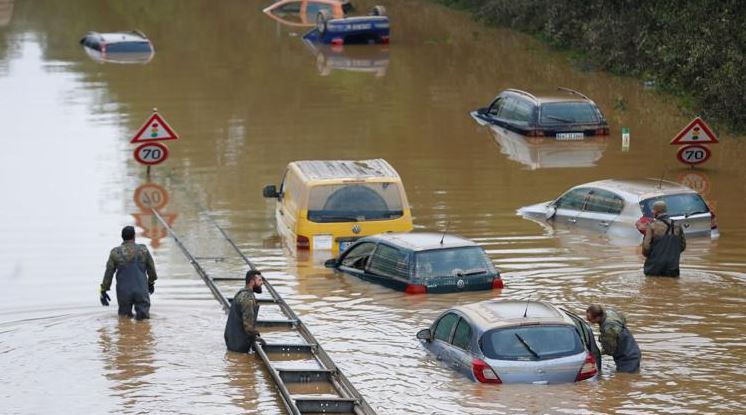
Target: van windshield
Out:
[535,342]
[354,202]
[677,205]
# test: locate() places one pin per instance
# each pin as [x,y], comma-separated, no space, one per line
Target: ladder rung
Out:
[228,278]
[268,300]
[276,323]
[288,348]
[305,375]
[325,405]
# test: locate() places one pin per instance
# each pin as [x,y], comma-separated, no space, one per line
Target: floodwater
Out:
[247,96]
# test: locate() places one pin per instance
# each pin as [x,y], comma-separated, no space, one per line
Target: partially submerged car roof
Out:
[506,313]
[639,188]
[118,37]
[345,169]
[557,95]
[423,241]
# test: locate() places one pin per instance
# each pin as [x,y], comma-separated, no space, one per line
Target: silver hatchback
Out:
[615,207]
[512,341]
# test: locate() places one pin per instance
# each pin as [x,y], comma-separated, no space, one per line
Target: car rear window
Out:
[354,202]
[568,113]
[470,260]
[536,342]
[677,205]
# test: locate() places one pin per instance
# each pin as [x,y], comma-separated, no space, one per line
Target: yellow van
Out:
[327,205]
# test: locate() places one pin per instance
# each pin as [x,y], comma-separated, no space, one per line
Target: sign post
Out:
[692,138]
[150,151]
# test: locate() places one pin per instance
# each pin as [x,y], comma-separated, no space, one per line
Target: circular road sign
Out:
[151,196]
[696,181]
[151,153]
[693,154]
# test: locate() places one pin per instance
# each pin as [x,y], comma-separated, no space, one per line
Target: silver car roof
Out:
[345,169]
[497,313]
[639,189]
[422,241]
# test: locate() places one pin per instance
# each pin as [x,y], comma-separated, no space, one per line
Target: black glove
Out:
[151,288]
[260,341]
[105,298]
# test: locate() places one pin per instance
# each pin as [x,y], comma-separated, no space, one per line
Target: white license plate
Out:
[569,136]
[343,245]
[322,242]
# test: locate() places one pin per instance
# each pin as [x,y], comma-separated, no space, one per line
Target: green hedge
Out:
[694,49]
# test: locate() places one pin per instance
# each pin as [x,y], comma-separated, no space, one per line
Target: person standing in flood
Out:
[663,244]
[616,340]
[131,262]
[240,328]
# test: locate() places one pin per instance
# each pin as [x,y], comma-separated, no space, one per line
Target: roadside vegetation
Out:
[692,49]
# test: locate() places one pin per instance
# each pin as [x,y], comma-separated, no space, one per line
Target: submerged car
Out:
[512,341]
[564,114]
[118,47]
[350,30]
[303,12]
[419,263]
[616,206]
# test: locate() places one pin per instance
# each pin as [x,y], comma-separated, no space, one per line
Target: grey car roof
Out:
[422,241]
[506,313]
[639,189]
[345,169]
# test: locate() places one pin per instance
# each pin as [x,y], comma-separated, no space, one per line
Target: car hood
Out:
[538,209]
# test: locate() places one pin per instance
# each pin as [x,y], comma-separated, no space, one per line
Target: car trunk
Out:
[687,209]
[447,284]
[559,370]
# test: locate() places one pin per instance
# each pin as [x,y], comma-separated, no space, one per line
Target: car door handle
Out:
[604,223]
[572,220]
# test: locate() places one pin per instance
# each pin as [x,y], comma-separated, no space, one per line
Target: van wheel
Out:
[321,18]
[378,11]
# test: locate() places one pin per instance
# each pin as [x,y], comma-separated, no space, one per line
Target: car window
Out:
[677,205]
[355,202]
[293,7]
[574,199]
[568,113]
[507,109]
[522,111]
[470,260]
[357,256]
[444,326]
[536,342]
[312,8]
[390,262]
[496,106]
[603,201]
[462,335]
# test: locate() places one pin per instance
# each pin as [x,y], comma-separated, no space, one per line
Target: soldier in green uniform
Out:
[240,329]
[663,244]
[131,262]
[616,340]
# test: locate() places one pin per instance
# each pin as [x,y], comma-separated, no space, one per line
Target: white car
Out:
[618,207]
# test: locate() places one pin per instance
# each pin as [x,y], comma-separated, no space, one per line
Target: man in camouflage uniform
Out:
[663,244]
[131,262]
[616,340]
[240,329]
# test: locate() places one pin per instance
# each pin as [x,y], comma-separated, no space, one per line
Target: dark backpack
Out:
[665,252]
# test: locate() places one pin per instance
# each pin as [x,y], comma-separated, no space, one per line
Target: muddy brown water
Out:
[247,96]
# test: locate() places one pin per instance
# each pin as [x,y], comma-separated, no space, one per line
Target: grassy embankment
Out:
[692,49]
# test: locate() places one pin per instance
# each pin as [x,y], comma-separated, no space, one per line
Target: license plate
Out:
[322,242]
[343,245]
[569,136]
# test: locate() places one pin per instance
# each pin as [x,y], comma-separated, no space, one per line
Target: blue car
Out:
[350,30]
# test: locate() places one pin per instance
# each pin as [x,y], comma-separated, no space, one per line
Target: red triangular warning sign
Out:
[696,132]
[154,129]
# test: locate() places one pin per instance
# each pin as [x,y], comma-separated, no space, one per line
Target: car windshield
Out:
[677,205]
[568,113]
[355,202]
[470,260]
[536,342]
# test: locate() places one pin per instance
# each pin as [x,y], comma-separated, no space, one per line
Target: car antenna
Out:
[526,310]
[444,233]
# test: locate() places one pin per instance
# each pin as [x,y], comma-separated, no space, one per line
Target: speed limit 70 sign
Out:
[693,154]
[151,153]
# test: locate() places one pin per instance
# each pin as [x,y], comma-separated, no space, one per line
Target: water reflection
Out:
[369,58]
[148,197]
[123,58]
[6,12]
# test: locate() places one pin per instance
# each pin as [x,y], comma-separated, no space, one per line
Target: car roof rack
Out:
[518,91]
[572,91]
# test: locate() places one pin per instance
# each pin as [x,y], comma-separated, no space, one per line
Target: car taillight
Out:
[103,48]
[302,242]
[535,133]
[385,40]
[588,370]
[483,372]
[415,289]
[497,283]
[601,131]
[713,220]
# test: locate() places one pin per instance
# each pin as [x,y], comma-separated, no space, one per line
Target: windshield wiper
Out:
[523,341]
[475,271]
[341,218]
[552,117]
[686,215]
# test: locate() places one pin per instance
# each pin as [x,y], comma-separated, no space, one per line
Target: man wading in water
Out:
[615,339]
[130,261]
[663,244]
[240,329]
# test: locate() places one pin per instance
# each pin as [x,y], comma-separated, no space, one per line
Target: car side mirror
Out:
[425,334]
[270,191]
[551,211]
[331,263]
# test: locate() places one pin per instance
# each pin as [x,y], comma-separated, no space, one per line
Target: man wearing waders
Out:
[130,261]
[616,340]
[240,329]
[663,244]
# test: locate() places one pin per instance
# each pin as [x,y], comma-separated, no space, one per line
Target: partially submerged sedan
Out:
[419,263]
[512,341]
[617,207]
[118,47]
